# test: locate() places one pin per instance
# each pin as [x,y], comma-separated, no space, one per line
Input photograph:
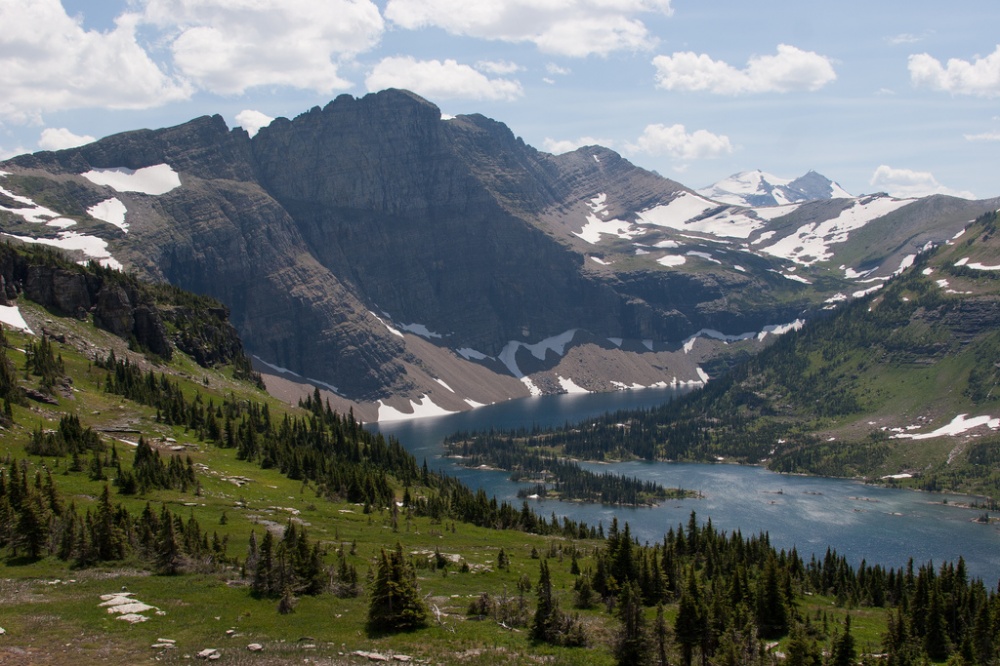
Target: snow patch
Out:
[422,408]
[157,179]
[388,328]
[421,330]
[111,211]
[682,211]
[473,403]
[11,316]
[958,425]
[442,383]
[532,389]
[703,255]
[91,246]
[556,343]
[980,267]
[864,292]
[31,211]
[771,329]
[810,243]
[598,260]
[569,386]
[285,371]
[702,374]
[470,354]
[672,260]
[781,329]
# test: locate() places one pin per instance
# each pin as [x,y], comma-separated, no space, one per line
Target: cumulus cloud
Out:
[575,28]
[49,62]
[440,80]
[7,153]
[962,77]
[252,121]
[675,141]
[906,183]
[501,67]
[227,47]
[558,147]
[557,70]
[790,69]
[59,138]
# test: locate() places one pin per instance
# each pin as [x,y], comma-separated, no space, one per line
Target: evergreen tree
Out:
[802,650]
[168,551]
[632,643]
[689,627]
[842,652]
[547,610]
[772,615]
[394,601]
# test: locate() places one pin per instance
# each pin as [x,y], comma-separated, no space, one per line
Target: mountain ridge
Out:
[376,249]
[757,188]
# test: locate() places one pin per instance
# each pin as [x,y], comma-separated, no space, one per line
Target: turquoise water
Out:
[878,525]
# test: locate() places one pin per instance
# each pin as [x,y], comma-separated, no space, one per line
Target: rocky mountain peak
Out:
[758,188]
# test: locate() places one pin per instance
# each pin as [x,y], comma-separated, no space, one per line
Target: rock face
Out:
[376,248]
[121,305]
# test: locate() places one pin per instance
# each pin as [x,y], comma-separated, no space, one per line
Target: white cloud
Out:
[440,80]
[501,67]
[985,136]
[575,28]
[979,77]
[791,69]
[906,183]
[7,153]
[676,142]
[49,62]
[557,70]
[229,46]
[58,138]
[904,38]
[558,147]
[252,121]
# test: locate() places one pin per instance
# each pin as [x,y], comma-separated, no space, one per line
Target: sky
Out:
[900,96]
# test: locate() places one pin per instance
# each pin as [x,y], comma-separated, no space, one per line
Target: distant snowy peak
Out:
[757,188]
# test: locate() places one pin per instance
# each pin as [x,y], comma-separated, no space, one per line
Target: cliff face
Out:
[344,237]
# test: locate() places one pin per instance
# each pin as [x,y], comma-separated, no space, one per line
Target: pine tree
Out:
[632,642]
[394,602]
[546,613]
[31,532]
[168,550]
[842,652]
[689,627]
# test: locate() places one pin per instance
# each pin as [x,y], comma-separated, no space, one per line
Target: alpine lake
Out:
[861,522]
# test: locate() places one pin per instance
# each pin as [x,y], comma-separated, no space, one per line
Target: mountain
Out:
[756,188]
[409,264]
[898,387]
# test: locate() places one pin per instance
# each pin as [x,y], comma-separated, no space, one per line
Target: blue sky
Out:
[887,95]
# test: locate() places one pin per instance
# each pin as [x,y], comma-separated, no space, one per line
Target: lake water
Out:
[879,525]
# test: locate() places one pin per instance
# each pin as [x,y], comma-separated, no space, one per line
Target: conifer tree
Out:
[632,642]
[689,627]
[394,600]
[168,551]
[547,611]
[842,652]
